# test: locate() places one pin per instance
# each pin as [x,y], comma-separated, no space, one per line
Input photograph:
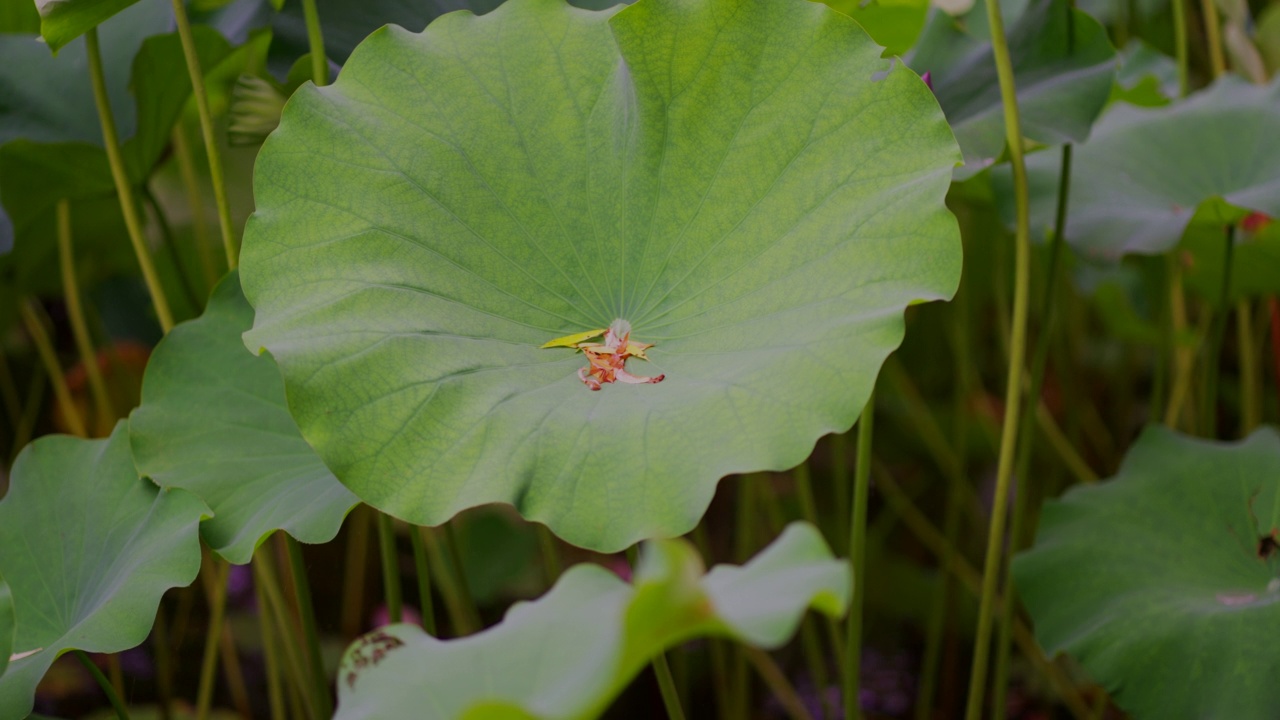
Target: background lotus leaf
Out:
[539,663]
[1159,582]
[213,421]
[88,548]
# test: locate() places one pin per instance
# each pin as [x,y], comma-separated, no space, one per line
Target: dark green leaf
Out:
[87,548]
[213,421]
[1159,580]
[1063,66]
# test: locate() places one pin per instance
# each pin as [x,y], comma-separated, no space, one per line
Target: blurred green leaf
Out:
[213,421]
[568,654]
[1147,77]
[895,24]
[1063,66]
[8,625]
[741,190]
[1144,174]
[88,548]
[1255,261]
[1158,583]
[62,21]
[19,16]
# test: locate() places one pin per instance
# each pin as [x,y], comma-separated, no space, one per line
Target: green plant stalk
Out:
[1250,373]
[1067,454]
[857,556]
[199,224]
[315,39]
[843,488]
[809,640]
[207,130]
[164,665]
[121,711]
[464,585]
[128,207]
[217,590]
[456,602]
[937,627]
[778,683]
[301,679]
[1183,357]
[270,655]
[170,240]
[744,542]
[390,568]
[667,686]
[1213,34]
[422,573]
[307,614]
[30,411]
[716,648]
[44,347]
[1209,404]
[1017,360]
[353,574]
[809,511]
[550,558]
[233,674]
[116,674]
[75,315]
[9,393]
[1026,436]
[1180,45]
[935,542]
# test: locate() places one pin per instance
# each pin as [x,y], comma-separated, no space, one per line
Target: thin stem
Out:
[456,602]
[550,557]
[128,207]
[1250,374]
[1017,361]
[199,223]
[843,488]
[207,130]
[164,664]
[1273,308]
[307,614]
[1180,45]
[1062,446]
[270,654]
[301,684]
[354,571]
[44,347]
[9,393]
[667,686]
[390,568]
[1213,33]
[744,527]
[30,412]
[857,556]
[315,39]
[1209,404]
[75,314]
[216,587]
[464,585]
[778,683]
[719,658]
[233,673]
[935,542]
[170,240]
[422,573]
[1183,356]
[804,493]
[121,711]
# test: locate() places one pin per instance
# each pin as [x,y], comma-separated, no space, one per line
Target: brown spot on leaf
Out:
[1268,545]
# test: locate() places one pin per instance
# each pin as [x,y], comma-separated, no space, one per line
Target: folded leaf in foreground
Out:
[747,183]
[213,421]
[568,654]
[1164,582]
[87,548]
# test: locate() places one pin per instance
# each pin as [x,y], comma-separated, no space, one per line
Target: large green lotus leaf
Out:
[726,175]
[1159,581]
[568,654]
[1147,172]
[213,421]
[1062,84]
[88,548]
